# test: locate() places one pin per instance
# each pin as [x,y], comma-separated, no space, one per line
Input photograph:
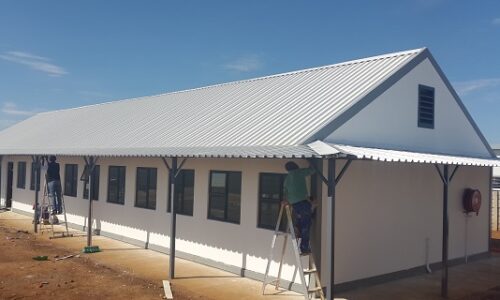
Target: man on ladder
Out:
[54,185]
[297,196]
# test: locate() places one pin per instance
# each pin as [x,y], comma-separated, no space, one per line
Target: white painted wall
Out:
[385,212]
[242,246]
[390,121]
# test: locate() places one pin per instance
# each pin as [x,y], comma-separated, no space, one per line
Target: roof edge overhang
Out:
[283,152]
[387,155]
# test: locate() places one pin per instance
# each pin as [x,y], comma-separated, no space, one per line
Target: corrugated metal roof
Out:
[275,111]
[325,149]
[299,151]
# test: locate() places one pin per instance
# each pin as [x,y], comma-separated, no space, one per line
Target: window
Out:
[70,179]
[95,183]
[495,184]
[33,178]
[116,184]
[224,196]
[21,175]
[425,106]
[270,196]
[184,193]
[145,195]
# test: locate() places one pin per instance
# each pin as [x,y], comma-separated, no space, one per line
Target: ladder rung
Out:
[310,271]
[282,233]
[315,289]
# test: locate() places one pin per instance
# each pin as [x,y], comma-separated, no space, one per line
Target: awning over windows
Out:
[326,149]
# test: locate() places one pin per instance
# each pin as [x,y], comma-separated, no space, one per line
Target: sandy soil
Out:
[78,277]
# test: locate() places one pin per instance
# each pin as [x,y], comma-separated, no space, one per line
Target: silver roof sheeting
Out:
[327,149]
[241,119]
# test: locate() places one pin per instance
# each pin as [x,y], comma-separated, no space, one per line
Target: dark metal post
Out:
[444,276]
[36,162]
[330,253]
[1,158]
[90,163]
[173,217]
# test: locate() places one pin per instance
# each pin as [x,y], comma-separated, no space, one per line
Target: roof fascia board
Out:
[367,99]
[460,103]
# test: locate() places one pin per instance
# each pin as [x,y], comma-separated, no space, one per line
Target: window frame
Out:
[148,184]
[21,176]
[182,201]
[96,176]
[259,200]
[420,122]
[226,192]
[118,184]
[73,188]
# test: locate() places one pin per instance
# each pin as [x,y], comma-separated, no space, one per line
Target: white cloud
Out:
[34,62]
[466,87]
[245,64]
[496,21]
[11,109]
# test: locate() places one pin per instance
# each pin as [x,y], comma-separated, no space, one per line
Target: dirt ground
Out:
[22,277]
[82,277]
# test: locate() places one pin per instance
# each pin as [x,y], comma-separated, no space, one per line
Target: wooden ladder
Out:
[312,287]
[46,208]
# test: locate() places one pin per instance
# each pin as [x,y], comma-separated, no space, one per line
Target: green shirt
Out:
[295,185]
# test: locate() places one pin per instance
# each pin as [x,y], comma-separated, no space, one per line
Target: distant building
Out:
[495,185]
[393,119]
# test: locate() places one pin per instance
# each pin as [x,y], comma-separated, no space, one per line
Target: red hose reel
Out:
[472,201]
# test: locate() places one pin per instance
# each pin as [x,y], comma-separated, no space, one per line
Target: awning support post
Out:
[36,161]
[332,182]
[1,158]
[446,179]
[173,217]
[90,163]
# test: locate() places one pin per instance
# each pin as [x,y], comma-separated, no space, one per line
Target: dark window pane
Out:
[146,188]
[270,195]
[21,175]
[95,185]
[70,180]
[33,178]
[225,196]
[116,184]
[184,192]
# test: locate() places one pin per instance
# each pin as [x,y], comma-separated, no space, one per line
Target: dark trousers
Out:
[302,213]
[54,189]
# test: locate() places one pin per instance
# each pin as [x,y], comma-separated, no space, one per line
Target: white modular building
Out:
[394,145]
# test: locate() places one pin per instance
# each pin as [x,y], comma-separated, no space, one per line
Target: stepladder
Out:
[48,215]
[310,285]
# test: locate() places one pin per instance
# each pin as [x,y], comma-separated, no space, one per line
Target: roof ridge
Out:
[336,65]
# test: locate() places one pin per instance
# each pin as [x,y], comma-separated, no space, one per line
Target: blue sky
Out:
[61,54]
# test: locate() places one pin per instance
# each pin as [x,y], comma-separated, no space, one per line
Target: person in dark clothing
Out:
[296,195]
[54,185]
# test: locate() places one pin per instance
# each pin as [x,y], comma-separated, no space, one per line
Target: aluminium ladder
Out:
[308,291]
[45,208]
